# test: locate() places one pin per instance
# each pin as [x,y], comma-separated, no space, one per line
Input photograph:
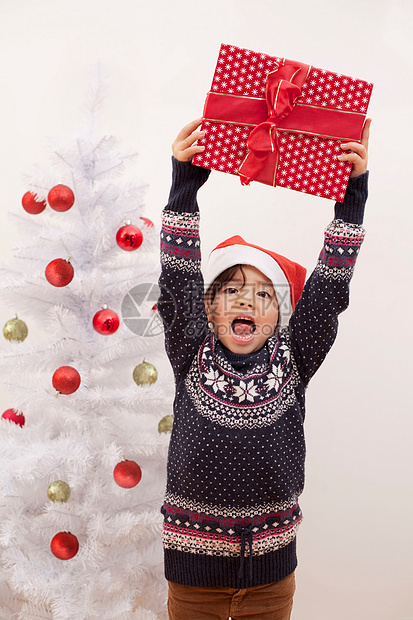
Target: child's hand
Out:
[184,147]
[358,155]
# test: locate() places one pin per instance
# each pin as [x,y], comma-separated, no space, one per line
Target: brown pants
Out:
[270,602]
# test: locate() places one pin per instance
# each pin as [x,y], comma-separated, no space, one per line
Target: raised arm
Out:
[181,302]
[185,145]
[314,323]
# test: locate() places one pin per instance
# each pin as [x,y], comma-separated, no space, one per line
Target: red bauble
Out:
[32,205]
[61,198]
[147,222]
[129,238]
[127,474]
[64,545]
[66,380]
[106,322]
[14,416]
[59,272]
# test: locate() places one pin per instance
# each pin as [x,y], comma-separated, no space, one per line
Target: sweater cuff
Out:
[186,181]
[352,208]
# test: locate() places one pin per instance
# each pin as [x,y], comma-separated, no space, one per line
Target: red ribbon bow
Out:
[281,95]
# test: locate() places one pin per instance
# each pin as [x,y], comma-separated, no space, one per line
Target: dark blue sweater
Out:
[237,450]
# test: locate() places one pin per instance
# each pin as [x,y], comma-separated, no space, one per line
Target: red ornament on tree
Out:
[32,205]
[106,321]
[147,222]
[64,545]
[129,237]
[59,272]
[66,380]
[14,416]
[61,198]
[127,474]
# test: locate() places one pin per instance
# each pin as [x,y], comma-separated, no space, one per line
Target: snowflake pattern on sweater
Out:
[221,395]
[237,449]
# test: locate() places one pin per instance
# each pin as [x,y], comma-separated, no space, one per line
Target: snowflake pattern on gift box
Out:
[306,163]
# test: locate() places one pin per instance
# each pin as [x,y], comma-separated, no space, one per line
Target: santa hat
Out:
[287,277]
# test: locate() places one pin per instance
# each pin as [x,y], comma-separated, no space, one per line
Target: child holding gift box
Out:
[242,357]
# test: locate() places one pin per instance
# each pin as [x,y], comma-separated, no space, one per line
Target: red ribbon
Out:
[279,111]
[280,94]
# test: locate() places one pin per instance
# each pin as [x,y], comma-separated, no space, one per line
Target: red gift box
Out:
[281,122]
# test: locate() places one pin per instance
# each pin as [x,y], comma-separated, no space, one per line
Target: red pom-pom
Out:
[64,545]
[106,322]
[61,198]
[147,222]
[127,474]
[32,205]
[14,416]
[129,238]
[59,272]
[66,380]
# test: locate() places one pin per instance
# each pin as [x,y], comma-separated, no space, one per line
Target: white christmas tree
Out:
[66,267]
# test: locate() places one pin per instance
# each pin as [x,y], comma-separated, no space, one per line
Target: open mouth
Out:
[243,327]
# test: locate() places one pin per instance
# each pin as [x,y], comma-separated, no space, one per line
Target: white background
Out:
[355,545]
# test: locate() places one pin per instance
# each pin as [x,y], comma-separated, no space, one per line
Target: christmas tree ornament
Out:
[59,272]
[32,205]
[145,373]
[61,198]
[165,425]
[15,329]
[146,222]
[14,416]
[106,321]
[66,380]
[64,545]
[127,474]
[129,237]
[58,491]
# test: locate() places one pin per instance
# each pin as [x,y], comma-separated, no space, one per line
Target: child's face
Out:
[244,315]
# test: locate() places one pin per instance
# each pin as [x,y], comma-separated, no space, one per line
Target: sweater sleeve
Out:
[181,301]
[314,322]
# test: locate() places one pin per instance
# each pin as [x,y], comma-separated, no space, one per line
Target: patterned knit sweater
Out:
[236,457]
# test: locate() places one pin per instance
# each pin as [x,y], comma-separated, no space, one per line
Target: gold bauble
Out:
[58,491]
[165,425]
[145,373]
[15,329]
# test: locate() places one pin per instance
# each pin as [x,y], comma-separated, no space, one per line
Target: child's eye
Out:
[230,290]
[263,294]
